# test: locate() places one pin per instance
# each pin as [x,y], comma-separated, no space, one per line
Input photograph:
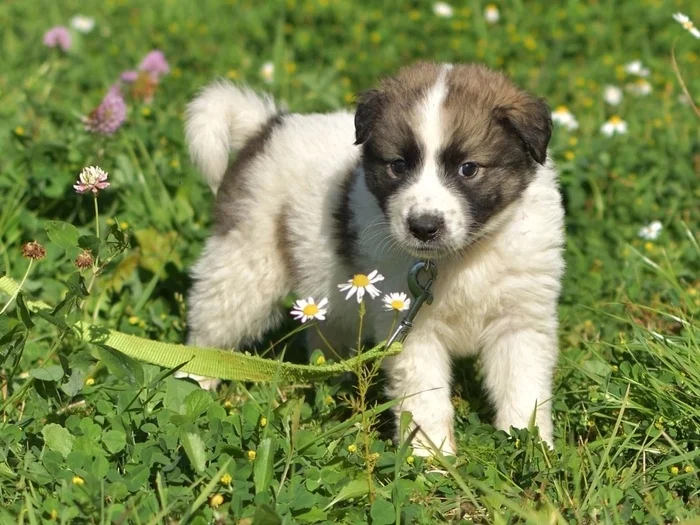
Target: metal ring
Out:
[414,284]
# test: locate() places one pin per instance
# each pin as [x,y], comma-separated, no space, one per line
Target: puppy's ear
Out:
[531,120]
[369,106]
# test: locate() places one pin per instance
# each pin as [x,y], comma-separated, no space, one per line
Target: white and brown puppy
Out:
[440,162]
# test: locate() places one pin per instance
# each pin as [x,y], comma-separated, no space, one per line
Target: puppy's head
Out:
[446,149]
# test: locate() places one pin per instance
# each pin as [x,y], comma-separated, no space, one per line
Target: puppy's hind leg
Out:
[235,296]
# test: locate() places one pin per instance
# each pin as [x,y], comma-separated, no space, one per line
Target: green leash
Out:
[209,362]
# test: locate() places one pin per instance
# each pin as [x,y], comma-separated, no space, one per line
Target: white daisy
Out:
[396,301]
[308,309]
[636,68]
[491,14]
[614,126]
[361,283]
[564,117]
[267,72]
[687,23]
[82,23]
[651,231]
[612,95]
[443,10]
[640,87]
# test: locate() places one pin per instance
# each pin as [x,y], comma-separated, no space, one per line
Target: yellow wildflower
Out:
[216,500]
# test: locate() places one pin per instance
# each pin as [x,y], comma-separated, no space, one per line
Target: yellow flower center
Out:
[397,304]
[615,120]
[310,310]
[360,280]
[561,109]
[688,25]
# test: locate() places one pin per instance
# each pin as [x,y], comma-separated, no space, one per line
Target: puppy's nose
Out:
[427,226]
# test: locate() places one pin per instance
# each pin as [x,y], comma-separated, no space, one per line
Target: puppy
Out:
[440,162]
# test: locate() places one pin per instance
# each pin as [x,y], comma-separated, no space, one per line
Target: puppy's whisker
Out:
[376,234]
[383,246]
[378,222]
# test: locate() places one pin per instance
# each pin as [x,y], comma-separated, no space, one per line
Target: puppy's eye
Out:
[398,166]
[468,170]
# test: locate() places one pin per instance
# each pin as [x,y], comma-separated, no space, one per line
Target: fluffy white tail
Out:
[220,120]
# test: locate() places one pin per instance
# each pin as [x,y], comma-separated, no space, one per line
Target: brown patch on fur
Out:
[500,127]
[233,185]
[480,101]
[284,242]
[344,235]
[386,113]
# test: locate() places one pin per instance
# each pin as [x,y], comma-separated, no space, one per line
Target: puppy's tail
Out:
[220,120]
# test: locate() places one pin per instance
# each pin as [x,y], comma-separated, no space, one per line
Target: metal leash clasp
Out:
[421,292]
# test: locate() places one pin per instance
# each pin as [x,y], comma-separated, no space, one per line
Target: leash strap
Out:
[210,362]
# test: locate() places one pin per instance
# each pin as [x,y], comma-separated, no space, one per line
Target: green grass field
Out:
[88,436]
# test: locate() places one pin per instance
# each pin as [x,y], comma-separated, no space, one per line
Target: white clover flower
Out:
[614,126]
[651,231]
[443,10]
[92,178]
[491,14]
[267,72]
[397,302]
[687,24]
[636,68]
[308,309]
[612,95]
[82,24]
[563,117]
[639,88]
[361,283]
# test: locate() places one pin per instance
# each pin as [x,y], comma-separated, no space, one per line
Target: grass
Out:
[87,435]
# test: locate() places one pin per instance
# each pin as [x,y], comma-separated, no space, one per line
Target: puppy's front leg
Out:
[421,377]
[519,364]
